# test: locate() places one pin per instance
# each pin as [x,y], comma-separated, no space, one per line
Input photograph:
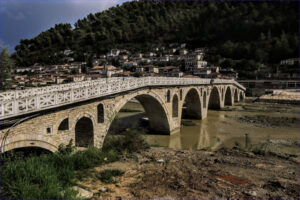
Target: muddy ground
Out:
[268,121]
[175,174]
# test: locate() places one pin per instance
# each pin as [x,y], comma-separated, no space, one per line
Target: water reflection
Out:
[189,137]
[221,128]
[204,140]
[175,141]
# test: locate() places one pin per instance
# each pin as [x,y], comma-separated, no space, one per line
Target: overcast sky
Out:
[20,19]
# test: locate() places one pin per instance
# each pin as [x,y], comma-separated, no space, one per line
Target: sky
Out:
[25,19]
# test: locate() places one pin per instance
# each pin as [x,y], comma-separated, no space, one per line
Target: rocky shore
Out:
[182,174]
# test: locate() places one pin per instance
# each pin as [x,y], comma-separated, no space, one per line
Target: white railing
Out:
[20,102]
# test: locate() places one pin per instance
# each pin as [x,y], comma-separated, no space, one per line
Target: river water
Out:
[228,128]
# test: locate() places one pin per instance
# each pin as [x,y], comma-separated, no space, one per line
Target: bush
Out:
[49,176]
[66,149]
[137,74]
[131,142]
[37,178]
[107,175]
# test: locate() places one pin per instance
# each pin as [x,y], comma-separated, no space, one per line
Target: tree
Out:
[231,29]
[228,63]
[137,74]
[7,67]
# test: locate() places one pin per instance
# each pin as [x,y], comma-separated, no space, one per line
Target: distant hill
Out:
[264,32]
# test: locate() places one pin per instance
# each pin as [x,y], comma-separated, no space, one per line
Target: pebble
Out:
[160,161]
[83,193]
[252,193]
[103,189]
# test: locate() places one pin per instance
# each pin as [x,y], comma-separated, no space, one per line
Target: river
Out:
[275,124]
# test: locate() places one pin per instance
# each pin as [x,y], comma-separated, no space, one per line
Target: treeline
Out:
[264,32]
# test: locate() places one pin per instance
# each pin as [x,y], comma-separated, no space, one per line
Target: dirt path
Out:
[167,173]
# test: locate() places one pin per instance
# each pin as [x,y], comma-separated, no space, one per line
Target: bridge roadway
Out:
[48,116]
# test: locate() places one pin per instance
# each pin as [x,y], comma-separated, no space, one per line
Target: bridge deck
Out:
[21,102]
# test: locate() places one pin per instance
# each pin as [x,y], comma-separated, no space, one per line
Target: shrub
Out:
[107,175]
[66,149]
[49,176]
[36,178]
[131,142]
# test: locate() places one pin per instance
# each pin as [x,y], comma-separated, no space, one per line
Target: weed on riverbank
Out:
[107,176]
[131,141]
[51,176]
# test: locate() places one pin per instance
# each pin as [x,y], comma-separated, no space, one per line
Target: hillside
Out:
[265,32]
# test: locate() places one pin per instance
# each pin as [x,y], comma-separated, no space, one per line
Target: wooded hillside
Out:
[264,32]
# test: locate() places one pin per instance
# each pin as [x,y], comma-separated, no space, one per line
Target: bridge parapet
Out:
[20,102]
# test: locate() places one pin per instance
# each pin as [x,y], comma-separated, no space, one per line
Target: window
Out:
[168,96]
[64,125]
[100,111]
[180,94]
[175,106]
[48,130]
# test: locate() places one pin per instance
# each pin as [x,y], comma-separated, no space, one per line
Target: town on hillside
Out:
[172,61]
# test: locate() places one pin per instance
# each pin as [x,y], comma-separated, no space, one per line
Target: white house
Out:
[183,52]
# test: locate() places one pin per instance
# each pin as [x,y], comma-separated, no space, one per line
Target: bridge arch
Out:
[33,142]
[175,106]
[204,99]
[192,104]
[241,95]
[236,97]
[214,99]
[155,109]
[100,113]
[222,93]
[228,97]
[168,96]
[64,125]
[84,132]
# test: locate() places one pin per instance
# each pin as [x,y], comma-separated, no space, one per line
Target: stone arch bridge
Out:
[49,116]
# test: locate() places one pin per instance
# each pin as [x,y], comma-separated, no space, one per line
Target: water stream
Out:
[227,127]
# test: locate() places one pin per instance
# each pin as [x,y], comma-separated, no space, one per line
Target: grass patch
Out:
[107,176]
[51,176]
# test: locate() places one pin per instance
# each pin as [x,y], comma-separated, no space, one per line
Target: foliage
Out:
[7,66]
[51,176]
[137,74]
[264,32]
[107,175]
[48,176]
[132,141]
[66,149]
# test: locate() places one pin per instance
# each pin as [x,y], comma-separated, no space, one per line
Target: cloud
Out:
[27,18]
[12,10]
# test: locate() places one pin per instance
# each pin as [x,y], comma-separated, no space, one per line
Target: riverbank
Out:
[262,122]
[281,96]
[161,172]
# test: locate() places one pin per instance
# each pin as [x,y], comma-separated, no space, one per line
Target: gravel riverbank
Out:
[182,174]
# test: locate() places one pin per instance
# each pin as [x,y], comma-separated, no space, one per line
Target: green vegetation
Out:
[131,141]
[51,176]
[245,33]
[7,66]
[107,176]
[137,74]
